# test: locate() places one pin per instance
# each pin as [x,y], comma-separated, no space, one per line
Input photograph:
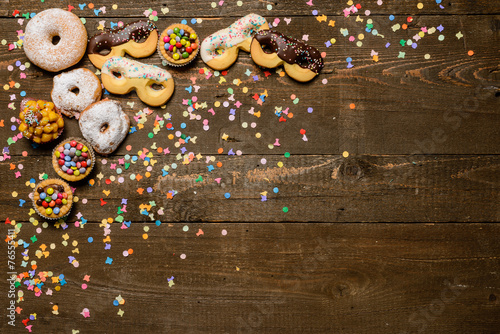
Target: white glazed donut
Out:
[104,125]
[121,75]
[72,103]
[48,24]
[228,41]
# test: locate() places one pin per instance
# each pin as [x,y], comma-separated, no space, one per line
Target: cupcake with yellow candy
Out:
[40,121]
[178,45]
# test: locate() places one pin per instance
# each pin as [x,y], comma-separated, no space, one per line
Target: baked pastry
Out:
[153,85]
[220,50]
[104,125]
[75,90]
[73,159]
[55,39]
[138,39]
[271,49]
[178,45]
[52,199]
[40,122]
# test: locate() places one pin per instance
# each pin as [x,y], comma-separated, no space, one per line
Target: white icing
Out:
[133,69]
[95,117]
[229,37]
[38,39]
[68,102]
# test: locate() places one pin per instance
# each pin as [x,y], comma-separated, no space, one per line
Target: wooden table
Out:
[257,233]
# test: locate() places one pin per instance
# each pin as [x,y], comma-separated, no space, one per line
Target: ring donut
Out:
[121,75]
[43,49]
[104,125]
[220,50]
[126,39]
[75,90]
[301,61]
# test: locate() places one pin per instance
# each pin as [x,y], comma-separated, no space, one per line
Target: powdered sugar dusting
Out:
[69,103]
[38,39]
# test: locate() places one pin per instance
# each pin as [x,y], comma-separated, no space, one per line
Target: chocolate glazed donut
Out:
[271,49]
[123,40]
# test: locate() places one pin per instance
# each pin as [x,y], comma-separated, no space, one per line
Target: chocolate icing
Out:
[291,50]
[134,31]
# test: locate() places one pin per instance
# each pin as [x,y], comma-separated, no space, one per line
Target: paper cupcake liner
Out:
[70,199]
[73,178]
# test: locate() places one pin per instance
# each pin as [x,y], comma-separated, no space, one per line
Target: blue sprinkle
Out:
[183,125]
[90,239]
[193,21]
[227,195]
[348,59]
[391,17]
[23,93]
[275,190]
[184,22]
[158,223]
[115,302]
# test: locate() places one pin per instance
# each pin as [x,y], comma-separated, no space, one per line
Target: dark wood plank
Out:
[263,278]
[314,188]
[448,104]
[287,8]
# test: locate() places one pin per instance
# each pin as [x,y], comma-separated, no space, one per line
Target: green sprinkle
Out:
[285,209]
[287,154]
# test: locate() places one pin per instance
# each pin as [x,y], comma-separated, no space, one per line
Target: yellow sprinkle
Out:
[345,154]
[420,5]
[280,164]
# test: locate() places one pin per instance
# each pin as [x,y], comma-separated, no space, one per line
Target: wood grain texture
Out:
[288,8]
[314,188]
[423,142]
[448,104]
[274,278]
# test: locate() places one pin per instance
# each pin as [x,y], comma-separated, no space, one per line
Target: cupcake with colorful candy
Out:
[53,199]
[40,121]
[178,45]
[73,159]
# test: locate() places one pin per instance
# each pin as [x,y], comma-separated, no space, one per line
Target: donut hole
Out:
[267,49]
[302,61]
[56,39]
[116,74]
[155,86]
[104,52]
[104,127]
[218,51]
[75,90]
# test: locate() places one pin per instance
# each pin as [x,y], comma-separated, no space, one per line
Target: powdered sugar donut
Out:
[40,39]
[75,90]
[220,50]
[104,125]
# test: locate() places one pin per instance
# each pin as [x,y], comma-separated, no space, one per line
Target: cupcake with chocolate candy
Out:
[73,159]
[52,199]
[178,45]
